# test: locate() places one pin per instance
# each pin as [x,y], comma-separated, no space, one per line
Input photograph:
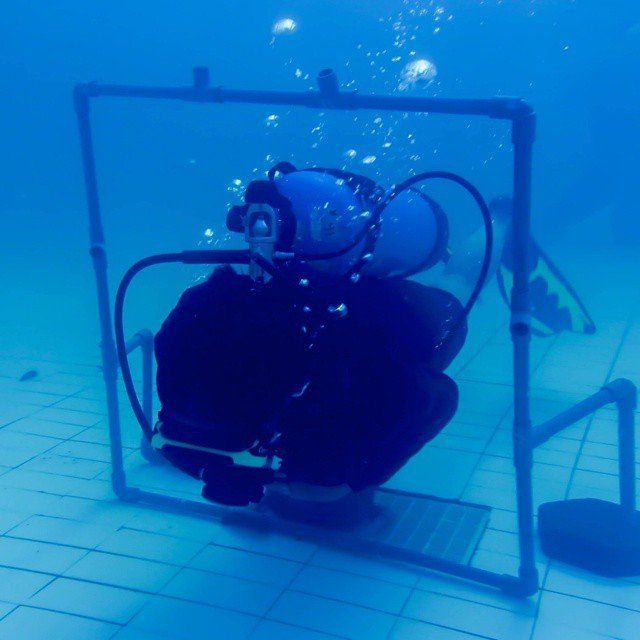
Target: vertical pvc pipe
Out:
[626,401]
[523,133]
[627,458]
[98,255]
[147,374]
[146,345]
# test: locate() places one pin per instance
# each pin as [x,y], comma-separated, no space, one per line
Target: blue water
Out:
[166,171]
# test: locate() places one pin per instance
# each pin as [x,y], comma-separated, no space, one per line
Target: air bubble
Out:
[417,73]
[284,27]
[339,310]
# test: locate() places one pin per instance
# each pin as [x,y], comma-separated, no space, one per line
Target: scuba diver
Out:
[314,377]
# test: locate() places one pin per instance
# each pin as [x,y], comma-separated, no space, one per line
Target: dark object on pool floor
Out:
[29,375]
[592,534]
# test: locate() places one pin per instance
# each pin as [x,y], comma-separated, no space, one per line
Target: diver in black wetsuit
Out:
[235,369]
[321,381]
[335,381]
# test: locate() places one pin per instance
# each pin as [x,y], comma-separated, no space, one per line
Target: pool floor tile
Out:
[270,630]
[330,616]
[27,623]
[18,585]
[587,617]
[122,571]
[37,556]
[244,564]
[571,581]
[90,600]
[60,531]
[415,630]
[353,589]
[150,546]
[470,617]
[179,620]
[226,592]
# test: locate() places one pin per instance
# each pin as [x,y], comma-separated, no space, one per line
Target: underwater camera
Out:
[320,372]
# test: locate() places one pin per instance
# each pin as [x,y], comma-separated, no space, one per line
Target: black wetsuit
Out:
[233,359]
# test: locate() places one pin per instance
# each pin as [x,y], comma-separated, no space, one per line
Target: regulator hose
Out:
[183,257]
[486,219]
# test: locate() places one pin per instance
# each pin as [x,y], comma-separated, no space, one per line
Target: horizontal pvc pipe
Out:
[548,429]
[134,343]
[503,108]
[353,543]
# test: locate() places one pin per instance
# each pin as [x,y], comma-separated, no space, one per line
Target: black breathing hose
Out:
[488,230]
[183,257]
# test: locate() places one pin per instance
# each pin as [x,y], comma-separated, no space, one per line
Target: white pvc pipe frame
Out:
[525,436]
